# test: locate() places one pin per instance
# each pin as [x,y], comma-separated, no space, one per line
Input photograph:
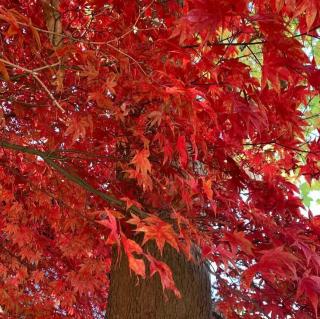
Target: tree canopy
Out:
[186,121]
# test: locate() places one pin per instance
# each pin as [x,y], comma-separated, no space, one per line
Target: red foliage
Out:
[145,115]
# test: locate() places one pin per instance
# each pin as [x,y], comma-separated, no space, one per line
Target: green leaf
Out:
[307,201]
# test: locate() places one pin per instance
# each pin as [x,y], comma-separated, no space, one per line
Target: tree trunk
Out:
[145,300]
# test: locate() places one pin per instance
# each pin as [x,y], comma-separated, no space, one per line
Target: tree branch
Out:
[212,44]
[49,159]
[35,76]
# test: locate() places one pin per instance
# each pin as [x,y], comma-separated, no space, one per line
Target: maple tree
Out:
[181,123]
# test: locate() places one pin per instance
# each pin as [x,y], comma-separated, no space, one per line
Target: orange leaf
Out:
[137,266]
[130,247]
[130,202]
[165,273]
[142,162]
[143,168]
[135,220]
[207,187]
[111,224]
[162,232]
[35,35]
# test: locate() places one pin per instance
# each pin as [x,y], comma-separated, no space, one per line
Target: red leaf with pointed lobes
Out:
[155,118]
[238,239]
[80,128]
[311,13]
[112,224]
[135,220]
[182,150]
[143,168]
[165,274]
[274,263]
[156,229]
[206,110]
[310,287]
[168,152]
[207,187]
[130,247]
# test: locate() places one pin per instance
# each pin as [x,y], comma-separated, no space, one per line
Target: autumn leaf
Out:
[191,124]
[310,287]
[111,223]
[207,187]
[36,35]
[236,239]
[141,162]
[181,148]
[155,118]
[311,13]
[101,99]
[168,152]
[143,168]
[162,232]
[134,220]
[130,247]
[130,202]
[273,263]
[165,274]
[79,127]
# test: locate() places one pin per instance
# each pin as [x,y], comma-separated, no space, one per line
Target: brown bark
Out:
[53,21]
[145,300]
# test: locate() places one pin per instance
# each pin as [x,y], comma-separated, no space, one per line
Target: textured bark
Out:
[53,21]
[131,300]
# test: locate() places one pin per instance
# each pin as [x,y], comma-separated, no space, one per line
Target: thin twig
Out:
[129,57]
[46,67]
[35,76]
[134,25]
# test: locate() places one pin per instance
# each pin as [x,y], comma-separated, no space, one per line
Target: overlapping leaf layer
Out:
[183,121]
